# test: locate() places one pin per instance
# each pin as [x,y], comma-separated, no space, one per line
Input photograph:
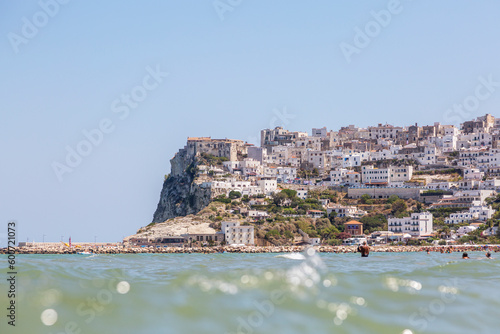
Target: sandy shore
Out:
[246,249]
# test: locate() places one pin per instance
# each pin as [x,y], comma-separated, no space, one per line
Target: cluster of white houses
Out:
[254,170]
[346,158]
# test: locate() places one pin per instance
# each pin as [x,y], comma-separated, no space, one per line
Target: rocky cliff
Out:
[181,195]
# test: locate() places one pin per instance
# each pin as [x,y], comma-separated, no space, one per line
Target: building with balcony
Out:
[417,225]
[234,234]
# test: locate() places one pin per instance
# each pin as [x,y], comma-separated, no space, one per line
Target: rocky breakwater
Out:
[181,195]
[245,249]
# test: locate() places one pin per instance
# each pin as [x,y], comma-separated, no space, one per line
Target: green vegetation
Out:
[392,199]
[366,199]
[211,160]
[192,170]
[398,208]
[234,194]
[436,192]
[372,223]
[222,199]
[445,212]
[439,171]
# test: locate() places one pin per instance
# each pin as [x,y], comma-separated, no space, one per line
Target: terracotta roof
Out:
[353,222]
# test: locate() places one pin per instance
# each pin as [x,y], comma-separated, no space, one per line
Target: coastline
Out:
[245,249]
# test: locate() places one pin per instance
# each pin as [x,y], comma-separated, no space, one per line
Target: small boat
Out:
[84,253]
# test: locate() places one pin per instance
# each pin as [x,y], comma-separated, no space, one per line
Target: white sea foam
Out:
[292,256]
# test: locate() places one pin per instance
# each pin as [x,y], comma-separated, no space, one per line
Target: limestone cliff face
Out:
[181,195]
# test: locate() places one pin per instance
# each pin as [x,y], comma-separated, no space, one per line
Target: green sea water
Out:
[254,293]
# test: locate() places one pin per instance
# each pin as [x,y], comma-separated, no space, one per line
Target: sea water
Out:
[254,293]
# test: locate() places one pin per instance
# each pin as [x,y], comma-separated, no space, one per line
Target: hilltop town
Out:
[385,184]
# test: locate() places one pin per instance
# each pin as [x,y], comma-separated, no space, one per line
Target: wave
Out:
[292,256]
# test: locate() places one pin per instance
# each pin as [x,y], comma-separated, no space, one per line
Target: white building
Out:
[419,224]
[250,167]
[314,143]
[386,176]
[460,217]
[342,176]
[319,159]
[371,175]
[345,210]
[428,157]
[257,214]
[337,176]
[351,160]
[302,193]
[473,174]
[286,174]
[235,234]
[268,185]
[384,154]
[464,230]
[384,131]
[483,212]
[400,174]
[319,132]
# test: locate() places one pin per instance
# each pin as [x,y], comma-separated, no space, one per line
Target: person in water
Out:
[488,255]
[364,249]
[465,256]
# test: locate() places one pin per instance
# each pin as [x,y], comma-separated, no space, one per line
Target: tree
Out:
[272,233]
[343,235]
[366,199]
[334,242]
[234,194]
[329,233]
[279,198]
[374,223]
[323,223]
[289,193]
[398,207]
[392,199]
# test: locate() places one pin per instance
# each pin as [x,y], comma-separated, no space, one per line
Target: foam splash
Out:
[292,256]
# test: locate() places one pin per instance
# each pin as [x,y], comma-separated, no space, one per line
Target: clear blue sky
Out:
[226,78]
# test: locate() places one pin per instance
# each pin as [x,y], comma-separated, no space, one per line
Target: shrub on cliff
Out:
[234,194]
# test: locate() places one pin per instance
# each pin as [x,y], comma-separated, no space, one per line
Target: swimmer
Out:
[465,256]
[365,250]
